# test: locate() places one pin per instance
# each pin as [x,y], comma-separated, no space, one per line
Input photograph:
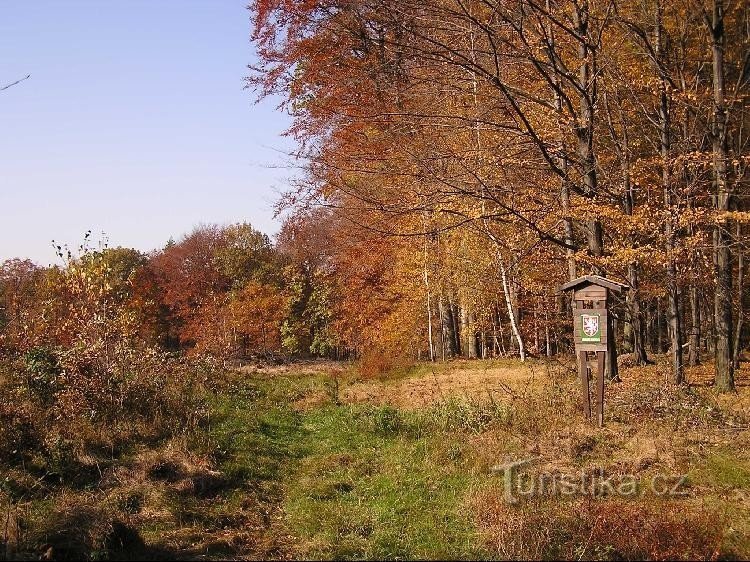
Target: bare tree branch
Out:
[16,82]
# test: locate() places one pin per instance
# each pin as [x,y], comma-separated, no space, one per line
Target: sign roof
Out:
[594,280]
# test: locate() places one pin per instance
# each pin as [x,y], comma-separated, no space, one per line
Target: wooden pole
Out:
[601,362]
[583,372]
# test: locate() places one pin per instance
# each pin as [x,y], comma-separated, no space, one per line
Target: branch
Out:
[16,82]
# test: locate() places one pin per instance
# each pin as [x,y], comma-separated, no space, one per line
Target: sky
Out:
[135,123]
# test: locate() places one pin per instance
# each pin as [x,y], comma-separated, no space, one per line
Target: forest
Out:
[236,395]
[492,150]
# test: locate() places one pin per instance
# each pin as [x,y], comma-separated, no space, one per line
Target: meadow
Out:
[311,460]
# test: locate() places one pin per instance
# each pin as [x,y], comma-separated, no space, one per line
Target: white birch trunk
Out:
[509,305]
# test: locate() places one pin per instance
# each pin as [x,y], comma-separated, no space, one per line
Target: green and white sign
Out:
[591,328]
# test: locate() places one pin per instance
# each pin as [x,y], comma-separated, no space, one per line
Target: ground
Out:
[309,461]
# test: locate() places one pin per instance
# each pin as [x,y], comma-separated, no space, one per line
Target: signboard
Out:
[591,303]
[591,328]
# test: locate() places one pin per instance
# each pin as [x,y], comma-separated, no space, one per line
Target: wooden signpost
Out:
[590,331]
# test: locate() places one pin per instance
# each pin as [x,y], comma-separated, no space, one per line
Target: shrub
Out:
[140,393]
[97,407]
[43,370]
[19,436]
[587,528]
[469,415]
[376,363]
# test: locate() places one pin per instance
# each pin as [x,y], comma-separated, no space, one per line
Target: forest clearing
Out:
[502,312]
[310,461]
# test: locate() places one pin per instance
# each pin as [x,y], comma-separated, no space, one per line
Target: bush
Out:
[585,529]
[376,363]
[97,407]
[19,436]
[43,370]
[141,394]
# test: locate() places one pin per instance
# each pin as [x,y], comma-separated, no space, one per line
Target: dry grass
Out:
[652,429]
[298,367]
[588,529]
[434,383]
[283,469]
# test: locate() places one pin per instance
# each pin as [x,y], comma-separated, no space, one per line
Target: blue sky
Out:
[134,122]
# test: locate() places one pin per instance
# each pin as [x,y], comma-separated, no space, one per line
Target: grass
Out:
[349,481]
[424,369]
[371,488]
[282,470]
[723,470]
[337,481]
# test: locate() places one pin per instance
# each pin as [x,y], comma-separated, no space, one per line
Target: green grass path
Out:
[348,482]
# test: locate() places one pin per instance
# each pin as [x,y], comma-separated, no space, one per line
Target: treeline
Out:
[225,292]
[464,158]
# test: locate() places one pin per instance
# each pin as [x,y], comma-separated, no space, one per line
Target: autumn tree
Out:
[21,290]
[579,127]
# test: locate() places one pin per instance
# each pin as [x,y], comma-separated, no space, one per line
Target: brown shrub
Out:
[589,528]
[100,409]
[378,363]
[147,393]
[18,433]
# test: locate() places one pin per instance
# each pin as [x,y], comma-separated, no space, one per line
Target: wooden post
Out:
[601,362]
[583,372]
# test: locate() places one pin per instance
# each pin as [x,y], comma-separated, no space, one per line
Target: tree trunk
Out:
[737,347]
[471,338]
[636,317]
[627,333]
[464,337]
[455,331]
[562,163]
[428,303]
[675,327]
[710,340]
[695,327]
[634,335]
[724,374]
[509,305]
[587,88]
[659,329]
[501,335]
[443,327]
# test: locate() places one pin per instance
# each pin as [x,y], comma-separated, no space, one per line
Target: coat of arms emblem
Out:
[590,327]
[590,324]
